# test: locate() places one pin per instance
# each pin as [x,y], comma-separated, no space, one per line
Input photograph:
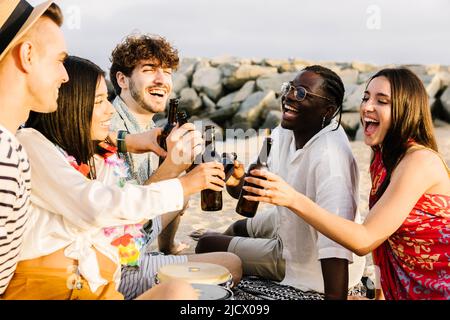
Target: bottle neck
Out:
[181,118]
[172,116]
[265,151]
[210,144]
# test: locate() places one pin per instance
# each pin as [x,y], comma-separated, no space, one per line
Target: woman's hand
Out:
[207,175]
[237,175]
[275,190]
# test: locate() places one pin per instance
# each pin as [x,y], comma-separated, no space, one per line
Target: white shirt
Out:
[69,211]
[325,171]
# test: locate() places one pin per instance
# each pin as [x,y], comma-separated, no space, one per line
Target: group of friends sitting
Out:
[82,199]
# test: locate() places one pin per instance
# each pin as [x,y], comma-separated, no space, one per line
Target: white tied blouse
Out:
[69,211]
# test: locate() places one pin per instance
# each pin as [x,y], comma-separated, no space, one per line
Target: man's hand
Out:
[207,175]
[142,142]
[183,145]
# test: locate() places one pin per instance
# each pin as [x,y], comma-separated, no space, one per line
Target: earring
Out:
[323,122]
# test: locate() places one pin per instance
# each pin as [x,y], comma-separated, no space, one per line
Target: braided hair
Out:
[333,87]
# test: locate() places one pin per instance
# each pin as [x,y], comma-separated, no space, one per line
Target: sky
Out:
[374,31]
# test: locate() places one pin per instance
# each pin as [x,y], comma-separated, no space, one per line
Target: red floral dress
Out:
[414,262]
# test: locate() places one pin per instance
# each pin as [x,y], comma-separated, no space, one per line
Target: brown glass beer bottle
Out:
[246,207]
[210,200]
[171,123]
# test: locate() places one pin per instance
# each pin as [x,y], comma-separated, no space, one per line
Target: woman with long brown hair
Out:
[408,227]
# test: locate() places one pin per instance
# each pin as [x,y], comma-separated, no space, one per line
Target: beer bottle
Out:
[228,164]
[182,117]
[210,200]
[171,123]
[246,207]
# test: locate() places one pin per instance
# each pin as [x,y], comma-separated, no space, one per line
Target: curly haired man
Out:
[141,73]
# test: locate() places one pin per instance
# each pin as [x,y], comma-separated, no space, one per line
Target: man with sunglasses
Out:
[312,153]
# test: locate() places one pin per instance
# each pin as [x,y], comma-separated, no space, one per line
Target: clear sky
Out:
[376,31]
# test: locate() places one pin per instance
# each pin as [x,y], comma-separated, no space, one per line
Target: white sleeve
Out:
[59,188]
[337,191]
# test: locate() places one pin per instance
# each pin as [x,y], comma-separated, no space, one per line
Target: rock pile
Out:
[245,93]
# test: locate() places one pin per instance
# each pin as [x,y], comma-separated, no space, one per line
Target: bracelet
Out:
[121,145]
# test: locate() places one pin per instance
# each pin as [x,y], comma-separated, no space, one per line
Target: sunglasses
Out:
[299,92]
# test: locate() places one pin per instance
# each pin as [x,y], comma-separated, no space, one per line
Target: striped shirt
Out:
[15,189]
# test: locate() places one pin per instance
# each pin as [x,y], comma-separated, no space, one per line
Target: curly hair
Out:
[127,55]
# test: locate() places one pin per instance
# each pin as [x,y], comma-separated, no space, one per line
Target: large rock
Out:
[190,101]
[180,81]
[209,81]
[272,104]
[434,86]
[226,109]
[445,78]
[348,76]
[226,101]
[298,65]
[274,81]
[353,100]
[445,100]
[334,66]
[364,77]
[344,65]
[225,114]
[418,69]
[304,62]
[425,78]
[244,92]
[257,61]
[217,61]
[432,69]
[202,63]
[209,105]
[187,67]
[349,89]
[228,68]
[273,119]
[250,110]
[350,121]
[280,64]
[363,67]
[246,73]
[359,136]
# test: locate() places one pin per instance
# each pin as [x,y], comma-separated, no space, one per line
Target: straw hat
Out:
[16,18]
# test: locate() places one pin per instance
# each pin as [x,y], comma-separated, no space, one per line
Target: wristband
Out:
[121,145]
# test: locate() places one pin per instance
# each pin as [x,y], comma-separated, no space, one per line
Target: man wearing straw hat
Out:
[32,51]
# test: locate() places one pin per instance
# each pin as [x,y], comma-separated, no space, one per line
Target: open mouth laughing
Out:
[157,92]
[371,125]
[289,111]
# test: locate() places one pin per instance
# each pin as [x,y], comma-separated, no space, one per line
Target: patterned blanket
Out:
[254,288]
